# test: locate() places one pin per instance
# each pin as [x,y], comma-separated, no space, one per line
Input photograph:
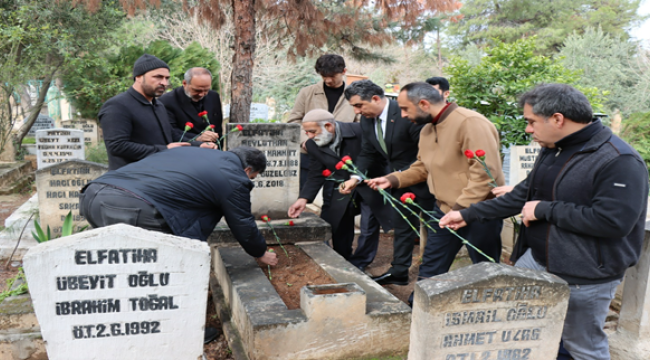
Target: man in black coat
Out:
[185,103]
[184,192]
[328,142]
[135,125]
[387,137]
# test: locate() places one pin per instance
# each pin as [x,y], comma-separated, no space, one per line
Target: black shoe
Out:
[389,278]
[362,268]
[210,334]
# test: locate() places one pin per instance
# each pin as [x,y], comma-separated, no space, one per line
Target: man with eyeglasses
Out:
[134,123]
[186,102]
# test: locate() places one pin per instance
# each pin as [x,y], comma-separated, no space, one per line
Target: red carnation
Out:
[203,113]
[469,154]
[239,127]
[346,158]
[407,198]
[340,165]
[188,126]
[480,154]
[289,223]
[265,218]
[327,173]
[212,127]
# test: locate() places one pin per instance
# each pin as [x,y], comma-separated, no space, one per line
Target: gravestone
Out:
[58,145]
[88,126]
[277,187]
[42,122]
[120,292]
[522,160]
[258,111]
[58,188]
[487,312]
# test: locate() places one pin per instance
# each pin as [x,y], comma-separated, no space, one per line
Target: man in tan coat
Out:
[326,95]
[456,181]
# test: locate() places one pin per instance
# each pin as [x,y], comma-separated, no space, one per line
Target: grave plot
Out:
[352,318]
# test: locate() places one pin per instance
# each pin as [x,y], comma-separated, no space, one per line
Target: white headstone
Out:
[88,126]
[58,187]
[43,122]
[522,160]
[488,311]
[120,292]
[58,145]
[278,186]
[258,111]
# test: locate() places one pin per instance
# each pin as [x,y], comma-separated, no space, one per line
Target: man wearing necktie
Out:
[387,137]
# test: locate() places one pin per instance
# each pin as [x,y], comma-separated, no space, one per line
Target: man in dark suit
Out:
[387,137]
[134,123]
[329,141]
[184,104]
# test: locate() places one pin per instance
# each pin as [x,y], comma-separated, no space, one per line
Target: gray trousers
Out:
[583,333]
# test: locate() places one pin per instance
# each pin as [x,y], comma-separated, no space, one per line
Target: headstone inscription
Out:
[258,111]
[58,192]
[88,126]
[42,122]
[488,312]
[120,292]
[58,145]
[277,187]
[522,160]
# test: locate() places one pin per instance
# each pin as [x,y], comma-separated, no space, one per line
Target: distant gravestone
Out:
[120,292]
[88,126]
[258,111]
[522,160]
[58,145]
[488,311]
[277,187]
[42,122]
[58,188]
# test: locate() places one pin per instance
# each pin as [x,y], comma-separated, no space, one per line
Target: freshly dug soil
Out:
[292,273]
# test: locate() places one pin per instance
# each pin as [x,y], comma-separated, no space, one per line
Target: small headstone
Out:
[522,160]
[277,187]
[58,188]
[88,126]
[120,292]
[488,311]
[42,122]
[58,145]
[258,111]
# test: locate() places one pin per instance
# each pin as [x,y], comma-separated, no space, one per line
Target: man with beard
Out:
[135,125]
[456,181]
[328,142]
[184,104]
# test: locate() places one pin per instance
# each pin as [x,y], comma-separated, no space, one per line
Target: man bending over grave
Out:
[328,142]
[584,208]
[134,123]
[184,192]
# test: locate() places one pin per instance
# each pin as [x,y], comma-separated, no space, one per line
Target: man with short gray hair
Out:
[186,102]
[583,206]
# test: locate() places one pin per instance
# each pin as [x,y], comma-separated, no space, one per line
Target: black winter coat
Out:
[193,188]
[335,204]
[180,111]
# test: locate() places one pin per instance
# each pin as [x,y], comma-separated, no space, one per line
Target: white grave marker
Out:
[120,292]
[522,160]
[88,126]
[42,122]
[58,145]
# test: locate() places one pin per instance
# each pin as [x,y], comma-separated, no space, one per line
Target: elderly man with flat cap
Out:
[329,141]
[134,123]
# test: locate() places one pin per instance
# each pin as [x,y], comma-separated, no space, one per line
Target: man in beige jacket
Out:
[326,95]
[456,181]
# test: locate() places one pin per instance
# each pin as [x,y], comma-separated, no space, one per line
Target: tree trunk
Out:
[242,63]
[22,132]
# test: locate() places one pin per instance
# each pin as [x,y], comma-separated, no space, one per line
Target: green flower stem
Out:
[269,267]
[467,243]
[277,238]
[182,136]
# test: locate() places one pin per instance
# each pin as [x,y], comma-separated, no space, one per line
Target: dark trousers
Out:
[404,235]
[440,250]
[104,205]
[368,241]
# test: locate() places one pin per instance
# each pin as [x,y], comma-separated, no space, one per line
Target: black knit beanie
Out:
[147,63]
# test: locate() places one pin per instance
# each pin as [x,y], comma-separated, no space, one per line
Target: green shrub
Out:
[635,132]
[97,153]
